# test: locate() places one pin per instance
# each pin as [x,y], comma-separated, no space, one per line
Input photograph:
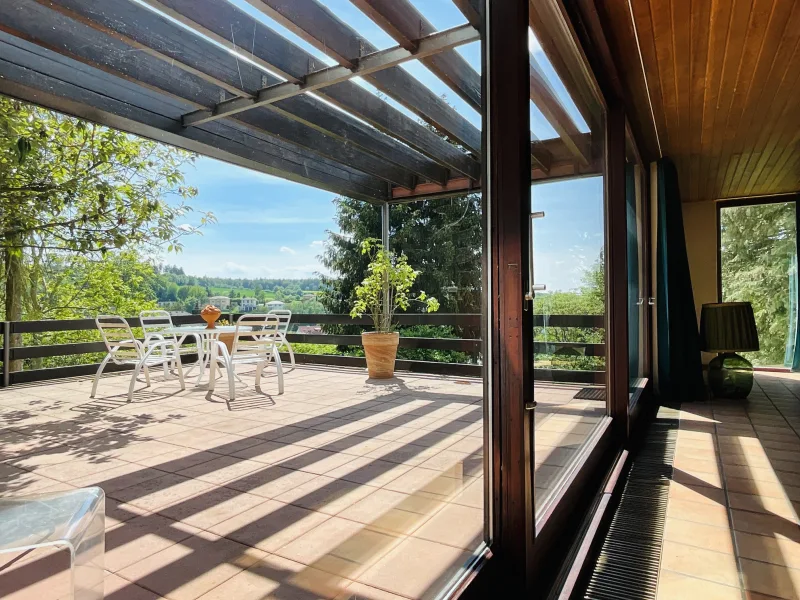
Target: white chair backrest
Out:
[117,336]
[255,335]
[284,316]
[155,321]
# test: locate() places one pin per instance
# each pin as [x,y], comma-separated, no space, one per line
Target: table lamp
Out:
[728,328]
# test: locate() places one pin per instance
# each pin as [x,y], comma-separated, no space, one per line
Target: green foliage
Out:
[758,245]
[70,185]
[386,288]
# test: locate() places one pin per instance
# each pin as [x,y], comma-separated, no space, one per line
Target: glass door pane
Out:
[758,264]
[568,253]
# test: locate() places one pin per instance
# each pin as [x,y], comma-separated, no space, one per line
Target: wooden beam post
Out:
[507,173]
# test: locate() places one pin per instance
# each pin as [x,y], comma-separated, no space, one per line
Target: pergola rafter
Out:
[319,26]
[207,76]
[401,20]
[366,65]
[260,44]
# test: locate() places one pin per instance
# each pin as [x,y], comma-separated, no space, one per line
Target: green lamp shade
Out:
[728,327]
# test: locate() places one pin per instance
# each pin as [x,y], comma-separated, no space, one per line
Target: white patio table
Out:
[207,350]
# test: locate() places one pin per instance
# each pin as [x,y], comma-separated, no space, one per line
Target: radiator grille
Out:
[628,563]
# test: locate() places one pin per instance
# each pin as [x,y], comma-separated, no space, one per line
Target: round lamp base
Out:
[730,376]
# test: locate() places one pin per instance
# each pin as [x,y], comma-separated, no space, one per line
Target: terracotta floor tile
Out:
[694,493]
[676,586]
[719,539]
[763,524]
[392,512]
[160,491]
[763,504]
[697,562]
[340,547]
[117,588]
[221,469]
[269,525]
[776,549]
[193,567]
[271,481]
[325,494]
[138,538]
[415,566]
[708,514]
[454,525]
[211,507]
[770,579]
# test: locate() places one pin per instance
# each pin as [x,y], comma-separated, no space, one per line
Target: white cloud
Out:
[317,244]
[287,250]
[236,269]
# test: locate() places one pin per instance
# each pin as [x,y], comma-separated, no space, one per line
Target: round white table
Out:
[206,344]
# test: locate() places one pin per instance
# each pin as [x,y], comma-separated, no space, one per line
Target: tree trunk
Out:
[13,308]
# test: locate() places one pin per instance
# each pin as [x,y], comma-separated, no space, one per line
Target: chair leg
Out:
[291,354]
[231,379]
[179,368]
[132,386]
[279,367]
[259,369]
[97,375]
[147,375]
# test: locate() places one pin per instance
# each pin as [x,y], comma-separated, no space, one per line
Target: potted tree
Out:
[386,288]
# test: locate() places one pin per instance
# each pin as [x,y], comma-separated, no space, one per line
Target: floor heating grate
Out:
[628,563]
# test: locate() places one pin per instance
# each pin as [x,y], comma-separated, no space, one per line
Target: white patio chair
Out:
[285,317]
[124,349]
[155,322]
[255,340]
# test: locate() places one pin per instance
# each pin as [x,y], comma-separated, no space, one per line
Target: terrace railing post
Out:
[385,208]
[6,353]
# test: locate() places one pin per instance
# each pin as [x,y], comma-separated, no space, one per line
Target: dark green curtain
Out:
[680,370]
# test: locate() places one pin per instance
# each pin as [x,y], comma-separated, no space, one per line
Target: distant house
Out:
[312,329]
[275,304]
[247,304]
[221,302]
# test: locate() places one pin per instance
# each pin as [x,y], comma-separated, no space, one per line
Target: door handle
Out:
[651,301]
[532,287]
[640,302]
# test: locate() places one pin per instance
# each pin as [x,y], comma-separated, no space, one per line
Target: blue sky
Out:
[269,227]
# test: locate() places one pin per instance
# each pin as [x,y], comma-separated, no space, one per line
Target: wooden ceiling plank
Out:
[140,27]
[760,16]
[769,84]
[405,24]
[644,27]
[56,31]
[720,155]
[784,113]
[221,21]
[719,21]
[320,27]
[681,16]
[699,41]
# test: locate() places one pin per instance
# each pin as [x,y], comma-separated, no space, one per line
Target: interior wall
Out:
[700,228]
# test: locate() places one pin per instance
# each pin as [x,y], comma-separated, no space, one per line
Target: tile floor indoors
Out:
[732,527]
[339,488]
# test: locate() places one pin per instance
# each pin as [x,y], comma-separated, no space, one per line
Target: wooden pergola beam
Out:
[41,76]
[319,26]
[56,31]
[544,97]
[472,10]
[401,20]
[463,185]
[366,65]
[259,44]
[156,35]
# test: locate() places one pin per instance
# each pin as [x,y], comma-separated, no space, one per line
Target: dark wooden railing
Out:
[463,322]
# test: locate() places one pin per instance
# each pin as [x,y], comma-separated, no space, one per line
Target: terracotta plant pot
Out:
[381,351]
[227,339]
[210,314]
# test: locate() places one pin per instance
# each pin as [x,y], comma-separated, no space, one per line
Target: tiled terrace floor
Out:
[732,527]
[339,488]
